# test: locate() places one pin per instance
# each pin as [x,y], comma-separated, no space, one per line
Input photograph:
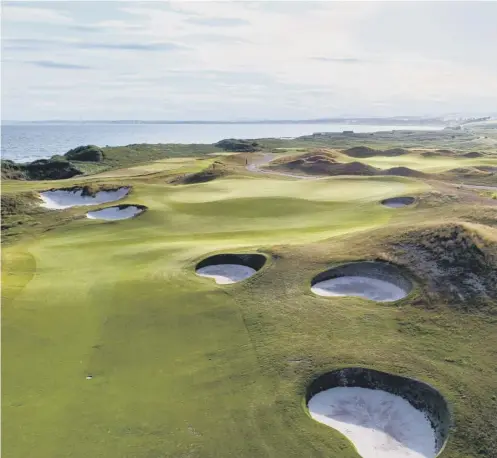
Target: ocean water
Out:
[27,142]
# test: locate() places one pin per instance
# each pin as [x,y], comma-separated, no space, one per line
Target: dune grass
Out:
[182,367]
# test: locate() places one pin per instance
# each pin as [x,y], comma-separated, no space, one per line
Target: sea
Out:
[28,142]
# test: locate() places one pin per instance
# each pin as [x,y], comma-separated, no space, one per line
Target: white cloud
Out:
[249,59]
[14,13]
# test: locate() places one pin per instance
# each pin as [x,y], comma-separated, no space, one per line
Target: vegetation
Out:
[42,169]
[364,151]
[216,170]
[180,366]
[240,146]
[89,153]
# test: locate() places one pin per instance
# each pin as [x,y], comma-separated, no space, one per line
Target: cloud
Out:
[32,44]
[218,22]
[57,65]
[131,46]
[245,59]
[213,38]
[24,12]
[338,60]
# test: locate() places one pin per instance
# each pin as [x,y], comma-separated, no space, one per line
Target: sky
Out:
[89,60]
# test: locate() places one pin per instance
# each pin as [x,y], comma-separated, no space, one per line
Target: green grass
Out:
[186,368]
[425,164]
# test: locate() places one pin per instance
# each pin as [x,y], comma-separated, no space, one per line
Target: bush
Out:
[88,153]
[242,146]
[45,169]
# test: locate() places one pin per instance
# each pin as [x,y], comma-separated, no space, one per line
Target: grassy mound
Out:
[364,151]
[473,154]
[439,153]
[403,172]
[466,172]
[17,204]
[42,169]
[241,146]
[326,164]
[89,153]
[457,262]
[215,170]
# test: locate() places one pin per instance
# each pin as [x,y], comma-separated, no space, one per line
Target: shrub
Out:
[88,153]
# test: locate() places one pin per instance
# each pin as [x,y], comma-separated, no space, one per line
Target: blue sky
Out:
[246,60]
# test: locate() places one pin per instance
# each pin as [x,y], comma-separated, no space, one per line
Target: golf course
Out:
[114,346]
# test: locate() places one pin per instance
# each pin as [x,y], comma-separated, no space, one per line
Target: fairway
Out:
[425,164]
[114,347]
[248,229]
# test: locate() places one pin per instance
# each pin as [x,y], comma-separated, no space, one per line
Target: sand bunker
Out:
[383,415]
[117,212]
[376,281]
[397,202]
[67,198]
[230,268]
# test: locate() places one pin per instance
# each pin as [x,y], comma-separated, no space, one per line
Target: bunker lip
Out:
[374,280]
[230,267]
[419,395]
[398,202]
[58,199]
[117,212]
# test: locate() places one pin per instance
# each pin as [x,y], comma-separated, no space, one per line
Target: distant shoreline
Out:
[350,121]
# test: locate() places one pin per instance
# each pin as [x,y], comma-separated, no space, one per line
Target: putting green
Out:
[180,366]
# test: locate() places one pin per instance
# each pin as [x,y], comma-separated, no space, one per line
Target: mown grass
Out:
[183,367]
[425,164]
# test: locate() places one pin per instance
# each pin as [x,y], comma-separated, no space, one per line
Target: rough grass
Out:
[184,367]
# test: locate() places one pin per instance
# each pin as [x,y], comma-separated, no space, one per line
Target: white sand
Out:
[369,288]
[115,213]
[226,273]
[379,424]
[60,199]
[396,204]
